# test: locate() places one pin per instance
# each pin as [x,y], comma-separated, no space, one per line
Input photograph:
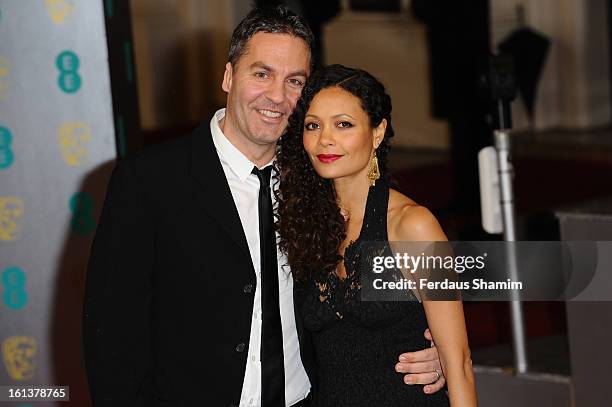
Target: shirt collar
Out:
[237,162]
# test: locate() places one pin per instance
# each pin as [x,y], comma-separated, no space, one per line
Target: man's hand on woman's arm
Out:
[422,367]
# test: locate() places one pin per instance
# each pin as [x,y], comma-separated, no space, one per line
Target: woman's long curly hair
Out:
[309,222]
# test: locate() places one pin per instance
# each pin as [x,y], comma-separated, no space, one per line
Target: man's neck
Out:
[258,154]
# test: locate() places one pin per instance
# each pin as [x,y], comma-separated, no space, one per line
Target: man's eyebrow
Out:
[268,68]
[301,72]
[261,65]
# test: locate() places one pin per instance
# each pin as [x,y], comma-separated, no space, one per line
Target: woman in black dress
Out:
[334,197]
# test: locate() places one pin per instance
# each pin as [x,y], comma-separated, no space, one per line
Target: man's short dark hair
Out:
[278,20]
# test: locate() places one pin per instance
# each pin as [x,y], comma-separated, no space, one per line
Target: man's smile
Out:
[270,113]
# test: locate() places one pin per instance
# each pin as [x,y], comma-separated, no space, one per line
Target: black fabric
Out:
[529,50]
[459,49]
[272,360]
[169,290]
[307,402]
[357,342]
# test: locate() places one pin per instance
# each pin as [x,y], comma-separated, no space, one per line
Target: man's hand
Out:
[421,367]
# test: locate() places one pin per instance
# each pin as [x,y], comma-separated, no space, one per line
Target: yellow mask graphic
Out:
[11,214]
[5,69]
[60,10]
[73,139]
[19,354]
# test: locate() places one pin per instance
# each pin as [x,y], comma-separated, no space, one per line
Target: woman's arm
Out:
[447,325]
[445,318]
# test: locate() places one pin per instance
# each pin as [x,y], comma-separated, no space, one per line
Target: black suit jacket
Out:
[170,284]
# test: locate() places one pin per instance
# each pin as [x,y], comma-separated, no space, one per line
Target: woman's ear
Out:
[379,133]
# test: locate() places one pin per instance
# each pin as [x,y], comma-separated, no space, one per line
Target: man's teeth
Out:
[269,113]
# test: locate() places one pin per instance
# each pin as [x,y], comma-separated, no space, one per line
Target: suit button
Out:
[240,347]
[248,289]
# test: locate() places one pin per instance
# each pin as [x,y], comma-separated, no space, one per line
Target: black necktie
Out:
[272,360]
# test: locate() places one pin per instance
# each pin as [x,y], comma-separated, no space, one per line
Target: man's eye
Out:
[345,125]
[296,82]
[311,126]
[261,75]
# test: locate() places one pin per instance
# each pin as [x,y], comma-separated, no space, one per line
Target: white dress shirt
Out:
[245,191]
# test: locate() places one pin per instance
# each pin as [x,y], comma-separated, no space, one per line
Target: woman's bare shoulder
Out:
[407,220]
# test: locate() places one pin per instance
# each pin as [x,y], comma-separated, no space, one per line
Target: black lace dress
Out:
[357,343]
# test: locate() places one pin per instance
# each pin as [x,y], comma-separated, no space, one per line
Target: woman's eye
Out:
[311,126]
[345,125]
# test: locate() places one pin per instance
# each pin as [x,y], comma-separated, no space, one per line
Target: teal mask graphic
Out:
[6,154]
[69,79]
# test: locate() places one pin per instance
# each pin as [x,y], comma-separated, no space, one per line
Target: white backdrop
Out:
[56,145]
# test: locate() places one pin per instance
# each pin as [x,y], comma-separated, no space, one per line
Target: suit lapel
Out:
[215,195]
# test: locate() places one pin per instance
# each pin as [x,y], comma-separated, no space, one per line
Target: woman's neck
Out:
[352,195]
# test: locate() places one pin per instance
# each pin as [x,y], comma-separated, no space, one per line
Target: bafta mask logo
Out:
[11,215]
[19,353]
[60,10]
[5,70]
[73,139]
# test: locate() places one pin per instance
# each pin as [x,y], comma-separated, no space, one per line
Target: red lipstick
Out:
[328,158]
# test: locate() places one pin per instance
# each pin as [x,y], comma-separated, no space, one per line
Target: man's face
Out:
[264,87]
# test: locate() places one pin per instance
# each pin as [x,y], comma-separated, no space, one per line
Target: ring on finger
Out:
[437,374]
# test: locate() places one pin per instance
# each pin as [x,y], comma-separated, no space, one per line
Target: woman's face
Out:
[337,135]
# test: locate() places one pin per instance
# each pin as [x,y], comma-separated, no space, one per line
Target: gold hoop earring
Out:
[373,172]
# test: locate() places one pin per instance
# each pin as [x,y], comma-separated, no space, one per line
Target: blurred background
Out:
[92,81]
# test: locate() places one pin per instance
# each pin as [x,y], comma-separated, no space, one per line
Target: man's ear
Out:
[227,77]
[379,133]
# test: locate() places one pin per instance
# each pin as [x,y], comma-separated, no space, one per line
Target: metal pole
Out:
[502,145]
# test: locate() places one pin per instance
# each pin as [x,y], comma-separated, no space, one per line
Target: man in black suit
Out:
[175,308]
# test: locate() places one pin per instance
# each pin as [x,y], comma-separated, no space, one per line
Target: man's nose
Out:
[276,91]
